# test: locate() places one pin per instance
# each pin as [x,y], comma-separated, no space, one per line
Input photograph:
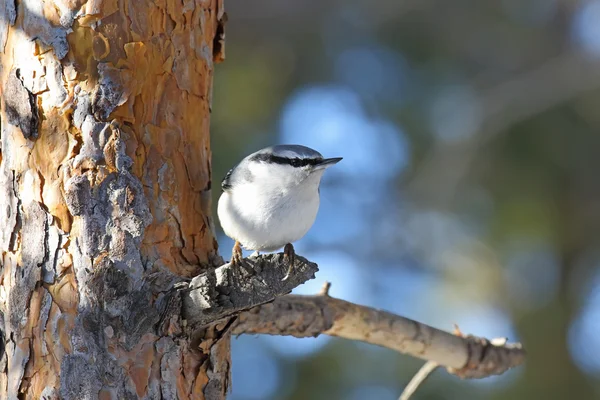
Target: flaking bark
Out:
[105,198]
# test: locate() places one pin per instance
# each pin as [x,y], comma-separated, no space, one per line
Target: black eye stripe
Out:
[294,162]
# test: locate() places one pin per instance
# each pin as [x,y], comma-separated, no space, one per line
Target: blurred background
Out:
[469,192]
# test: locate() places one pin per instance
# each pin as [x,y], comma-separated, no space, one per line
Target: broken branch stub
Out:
[230,289]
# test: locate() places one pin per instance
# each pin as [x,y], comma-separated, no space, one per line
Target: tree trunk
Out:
[105,198]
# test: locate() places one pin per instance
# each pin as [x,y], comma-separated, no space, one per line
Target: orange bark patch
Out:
[49,152]
[100,47]
[81,53]
[44,368]
[138,361]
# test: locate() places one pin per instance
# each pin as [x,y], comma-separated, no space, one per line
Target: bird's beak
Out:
[328,162]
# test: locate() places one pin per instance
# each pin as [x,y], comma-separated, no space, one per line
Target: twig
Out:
[418,379]
[325,289]
[306,316]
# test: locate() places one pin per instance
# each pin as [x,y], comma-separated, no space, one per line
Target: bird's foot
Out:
[289,256]
[236,254]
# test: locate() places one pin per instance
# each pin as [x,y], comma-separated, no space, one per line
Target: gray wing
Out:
[238,174]
[226,182]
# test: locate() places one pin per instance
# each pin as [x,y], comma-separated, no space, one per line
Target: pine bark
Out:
[105,183]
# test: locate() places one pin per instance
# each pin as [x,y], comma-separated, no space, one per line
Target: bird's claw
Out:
[289,256]
[236,254]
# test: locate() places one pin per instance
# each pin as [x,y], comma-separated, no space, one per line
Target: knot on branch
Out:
[489,357]
[230,289]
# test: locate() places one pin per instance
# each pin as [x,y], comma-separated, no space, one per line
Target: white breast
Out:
[265,218]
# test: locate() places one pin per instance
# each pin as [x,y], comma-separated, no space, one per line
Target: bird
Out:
[271,198]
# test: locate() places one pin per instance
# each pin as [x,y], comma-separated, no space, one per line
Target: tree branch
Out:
[257,286]
[306,316]
[229,289]
[509,103]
